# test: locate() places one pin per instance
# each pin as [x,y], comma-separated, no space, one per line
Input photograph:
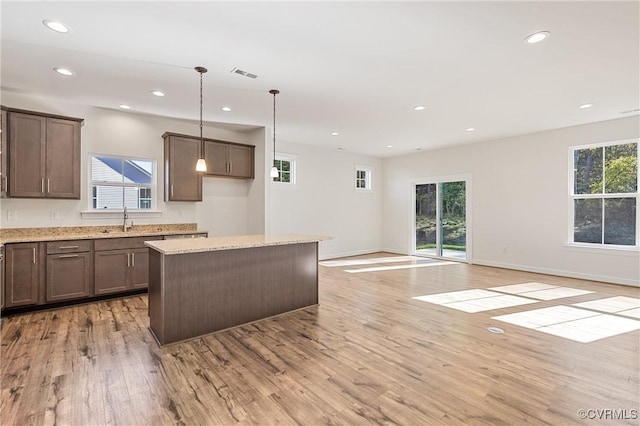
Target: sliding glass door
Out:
[441,219]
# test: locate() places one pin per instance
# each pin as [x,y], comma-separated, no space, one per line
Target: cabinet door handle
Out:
[172,190]
[133,259]
[34,255]
[48,185]
[67,247]
[4,183]
[128,260]
[42,185]
[67,256]
[230,167]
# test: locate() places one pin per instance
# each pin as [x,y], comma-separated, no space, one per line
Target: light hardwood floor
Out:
[369,353]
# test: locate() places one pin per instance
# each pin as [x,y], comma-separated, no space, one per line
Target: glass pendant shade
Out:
[274,172]
[201,165]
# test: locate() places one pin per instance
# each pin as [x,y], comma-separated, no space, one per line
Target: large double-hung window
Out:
[604,194]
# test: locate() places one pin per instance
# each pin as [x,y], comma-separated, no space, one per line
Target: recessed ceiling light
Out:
[334,133]
[157,93]
[470,129]
[418,108]
[583,106]
[58,27]
[63,71]
[123,106]
[389,146]
[226,108]
[537,37]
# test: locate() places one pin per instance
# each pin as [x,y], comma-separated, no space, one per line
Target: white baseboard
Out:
[559,272]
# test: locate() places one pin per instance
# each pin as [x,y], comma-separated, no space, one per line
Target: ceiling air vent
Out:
[246,74]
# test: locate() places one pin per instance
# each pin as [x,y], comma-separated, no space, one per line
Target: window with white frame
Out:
[604,194]
[286,165]
[118,182]
[363,178]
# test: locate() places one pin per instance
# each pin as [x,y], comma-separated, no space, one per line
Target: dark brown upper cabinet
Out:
[181,181]
[44,155]
[3,155]
[229,159]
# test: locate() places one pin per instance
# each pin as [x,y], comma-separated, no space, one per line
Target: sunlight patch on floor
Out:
[396,267]
[617,305]
[575,324]
[476,300]
[541,291]
[370,261]
[569,322]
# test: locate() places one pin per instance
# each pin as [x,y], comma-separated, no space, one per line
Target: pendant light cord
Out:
[274,92]
[274,127]
[201,139]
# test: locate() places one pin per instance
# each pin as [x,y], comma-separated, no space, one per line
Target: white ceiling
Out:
[357,68]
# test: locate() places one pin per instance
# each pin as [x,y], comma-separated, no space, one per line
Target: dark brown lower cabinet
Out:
[68,276]
[139,268]
[112,271]
[121,264]
[22,270]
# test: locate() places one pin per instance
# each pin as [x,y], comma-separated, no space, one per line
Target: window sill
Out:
[613,251]
[98,214]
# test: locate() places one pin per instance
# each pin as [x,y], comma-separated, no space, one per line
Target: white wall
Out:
[324,200]
[519,201]
[225,207]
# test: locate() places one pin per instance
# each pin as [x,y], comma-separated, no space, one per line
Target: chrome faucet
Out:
[126,227]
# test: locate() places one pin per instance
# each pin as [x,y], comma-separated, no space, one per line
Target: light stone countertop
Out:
[28,235]
[196,245]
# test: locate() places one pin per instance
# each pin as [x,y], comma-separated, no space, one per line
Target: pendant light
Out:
[201,165]
[274,170]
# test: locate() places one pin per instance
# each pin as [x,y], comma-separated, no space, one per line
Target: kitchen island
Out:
[199,286]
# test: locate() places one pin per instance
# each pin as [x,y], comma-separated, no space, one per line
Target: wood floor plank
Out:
[368,353]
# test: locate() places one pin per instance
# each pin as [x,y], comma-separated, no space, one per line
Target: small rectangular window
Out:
[363,178]
[118,182]
[286,165]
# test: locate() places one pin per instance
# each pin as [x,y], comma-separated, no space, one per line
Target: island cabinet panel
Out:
[22,274]
[182,182]
[44,156]
[68,276]
[1,277]
[193,294]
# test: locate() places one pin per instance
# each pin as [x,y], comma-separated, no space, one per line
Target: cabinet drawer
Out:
[68,246]
[123,243]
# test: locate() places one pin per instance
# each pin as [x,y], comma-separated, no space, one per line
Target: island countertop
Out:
[196,245]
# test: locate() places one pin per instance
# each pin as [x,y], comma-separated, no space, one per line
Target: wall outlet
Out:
[12,215]
[54,215]
[166,214]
